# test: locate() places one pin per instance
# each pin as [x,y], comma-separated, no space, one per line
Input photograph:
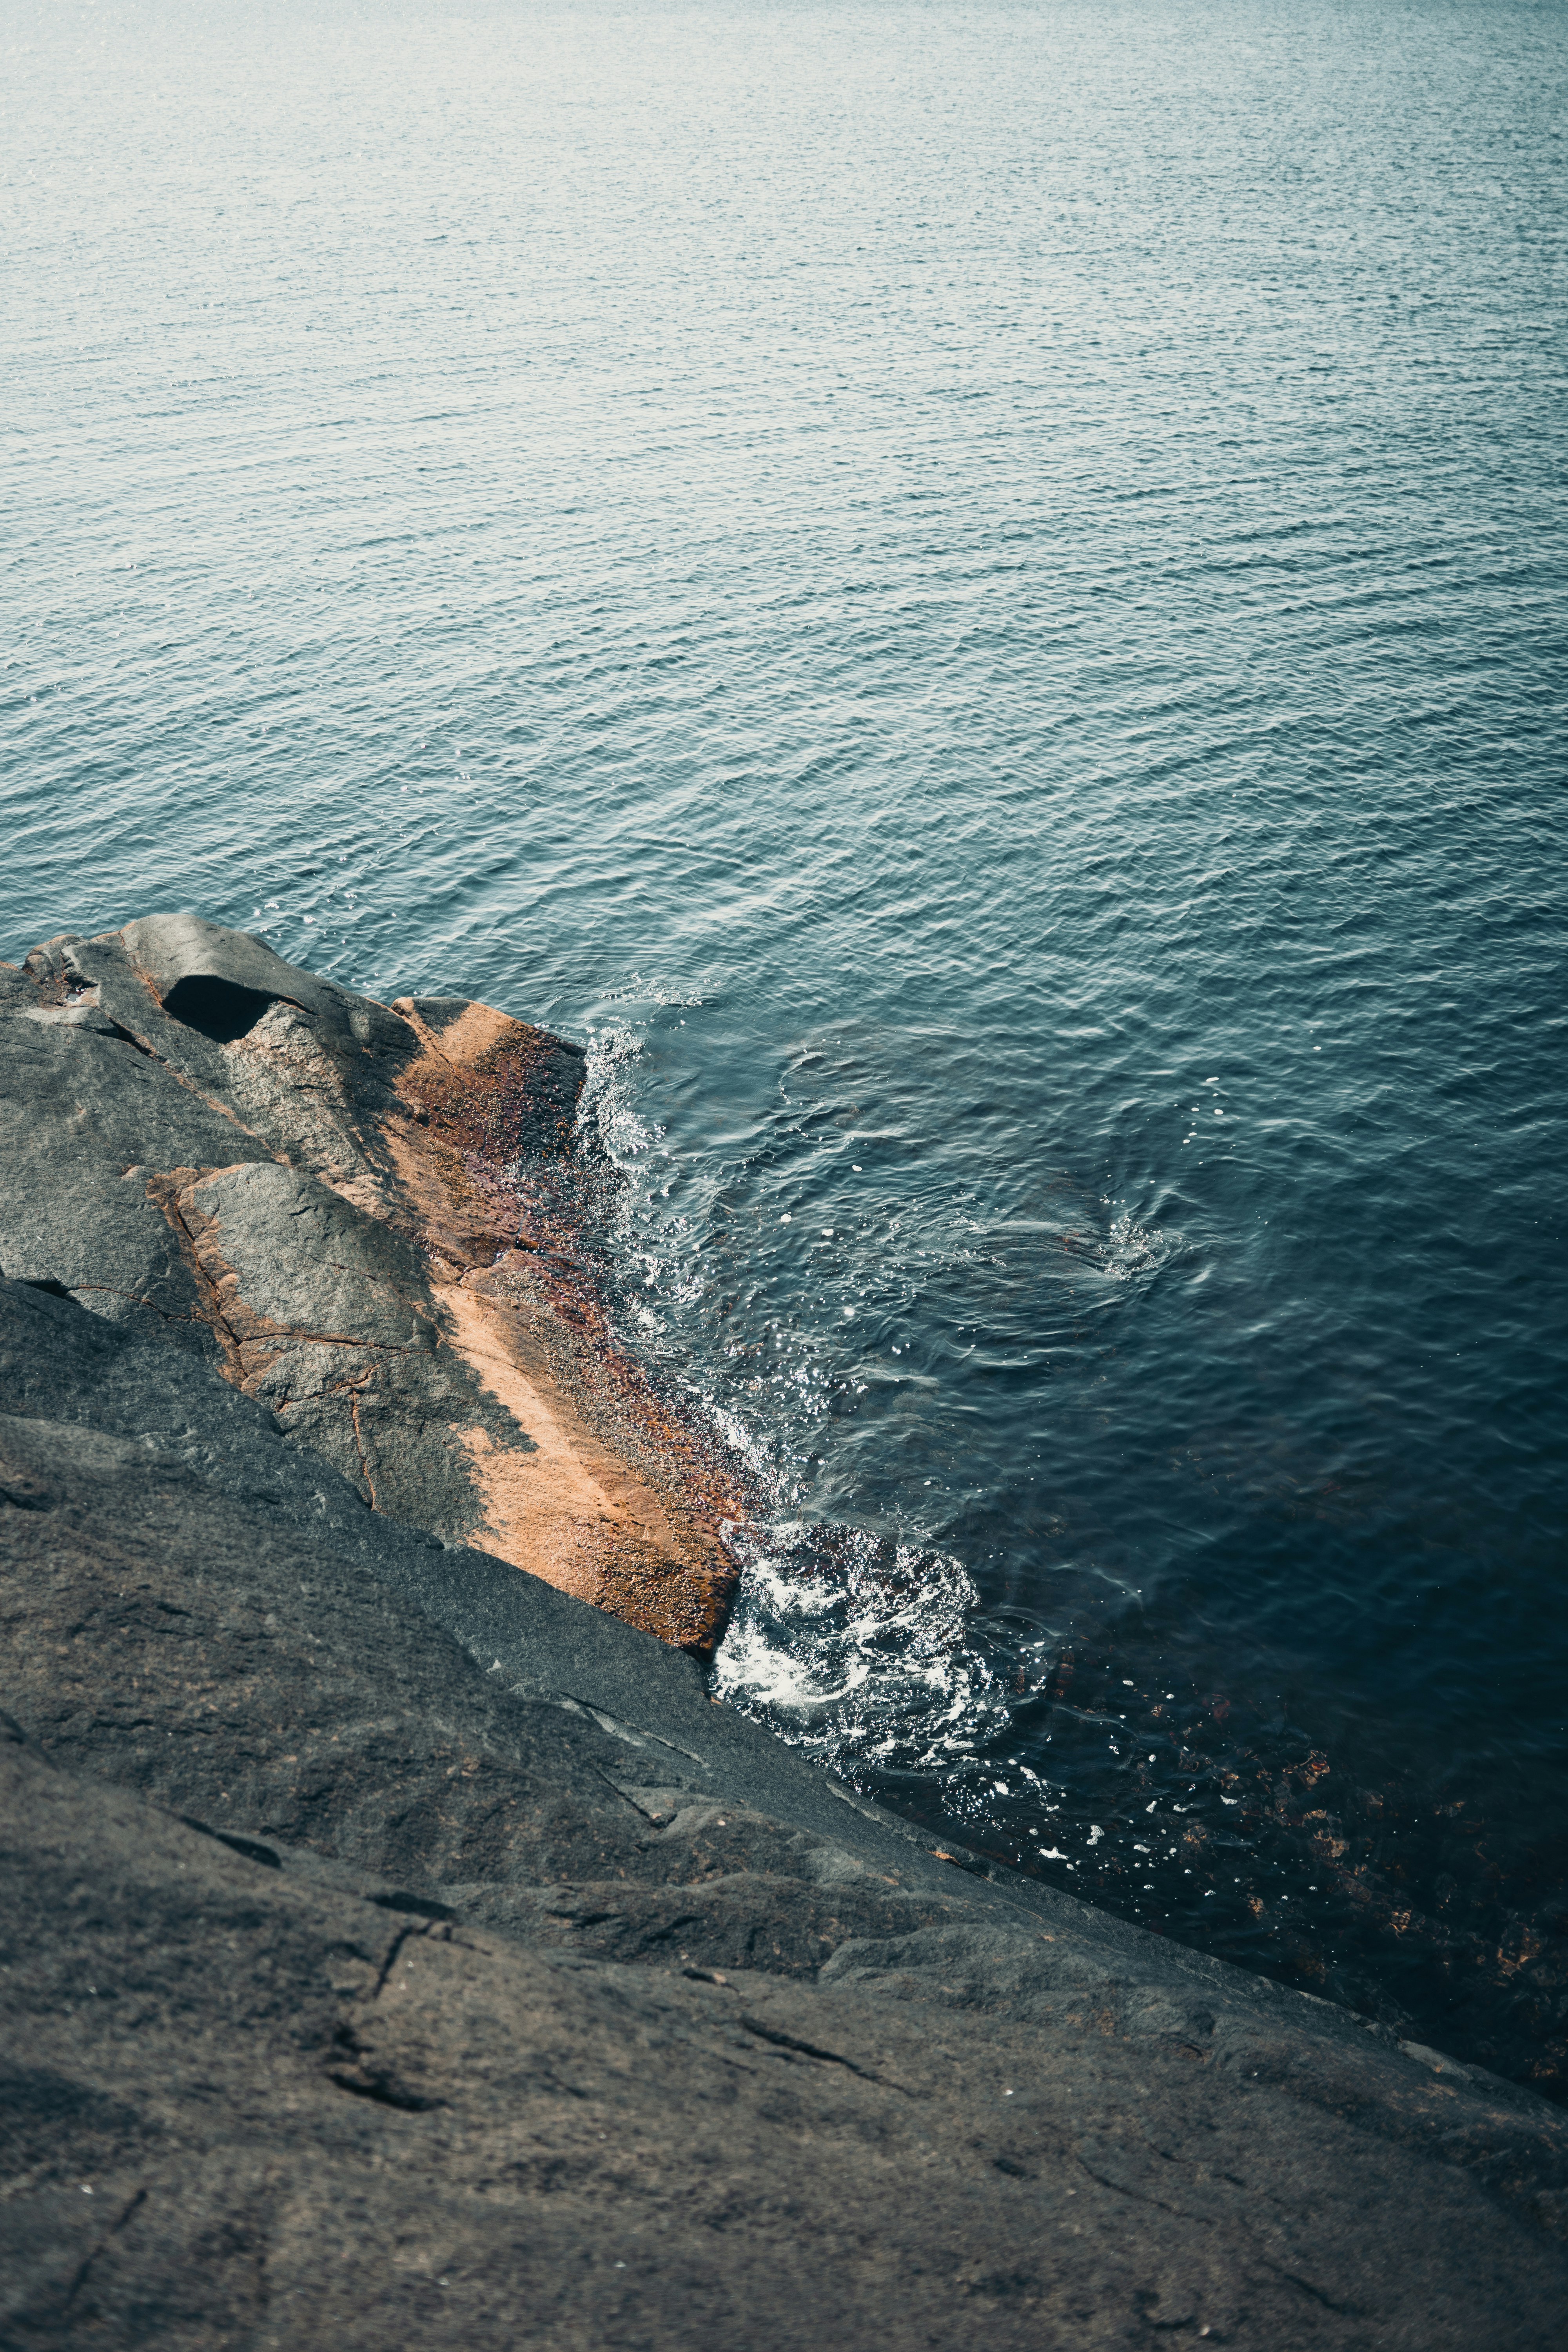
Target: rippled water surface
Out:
[974,600]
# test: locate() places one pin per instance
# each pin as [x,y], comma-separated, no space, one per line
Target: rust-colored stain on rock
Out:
[622,1501]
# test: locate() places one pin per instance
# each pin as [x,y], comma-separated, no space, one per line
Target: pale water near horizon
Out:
[975,600]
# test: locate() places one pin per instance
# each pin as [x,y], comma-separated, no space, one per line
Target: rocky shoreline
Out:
[316,1191]
[399,1940]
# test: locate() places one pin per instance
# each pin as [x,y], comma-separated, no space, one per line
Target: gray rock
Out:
[252,2107]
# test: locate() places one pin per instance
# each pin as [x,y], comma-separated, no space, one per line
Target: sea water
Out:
[973,598]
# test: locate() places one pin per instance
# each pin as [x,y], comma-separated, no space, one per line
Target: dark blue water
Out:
[976,599]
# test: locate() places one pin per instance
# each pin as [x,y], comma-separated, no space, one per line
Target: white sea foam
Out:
[858,1647]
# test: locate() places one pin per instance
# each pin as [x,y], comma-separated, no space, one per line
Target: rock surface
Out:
[397,1948]
[346,1208]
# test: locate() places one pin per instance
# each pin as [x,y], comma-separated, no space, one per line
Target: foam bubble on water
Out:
[857,1646]
[608,1106]
[1131,1251]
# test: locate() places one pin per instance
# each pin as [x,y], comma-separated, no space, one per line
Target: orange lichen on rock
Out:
[620,1500]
